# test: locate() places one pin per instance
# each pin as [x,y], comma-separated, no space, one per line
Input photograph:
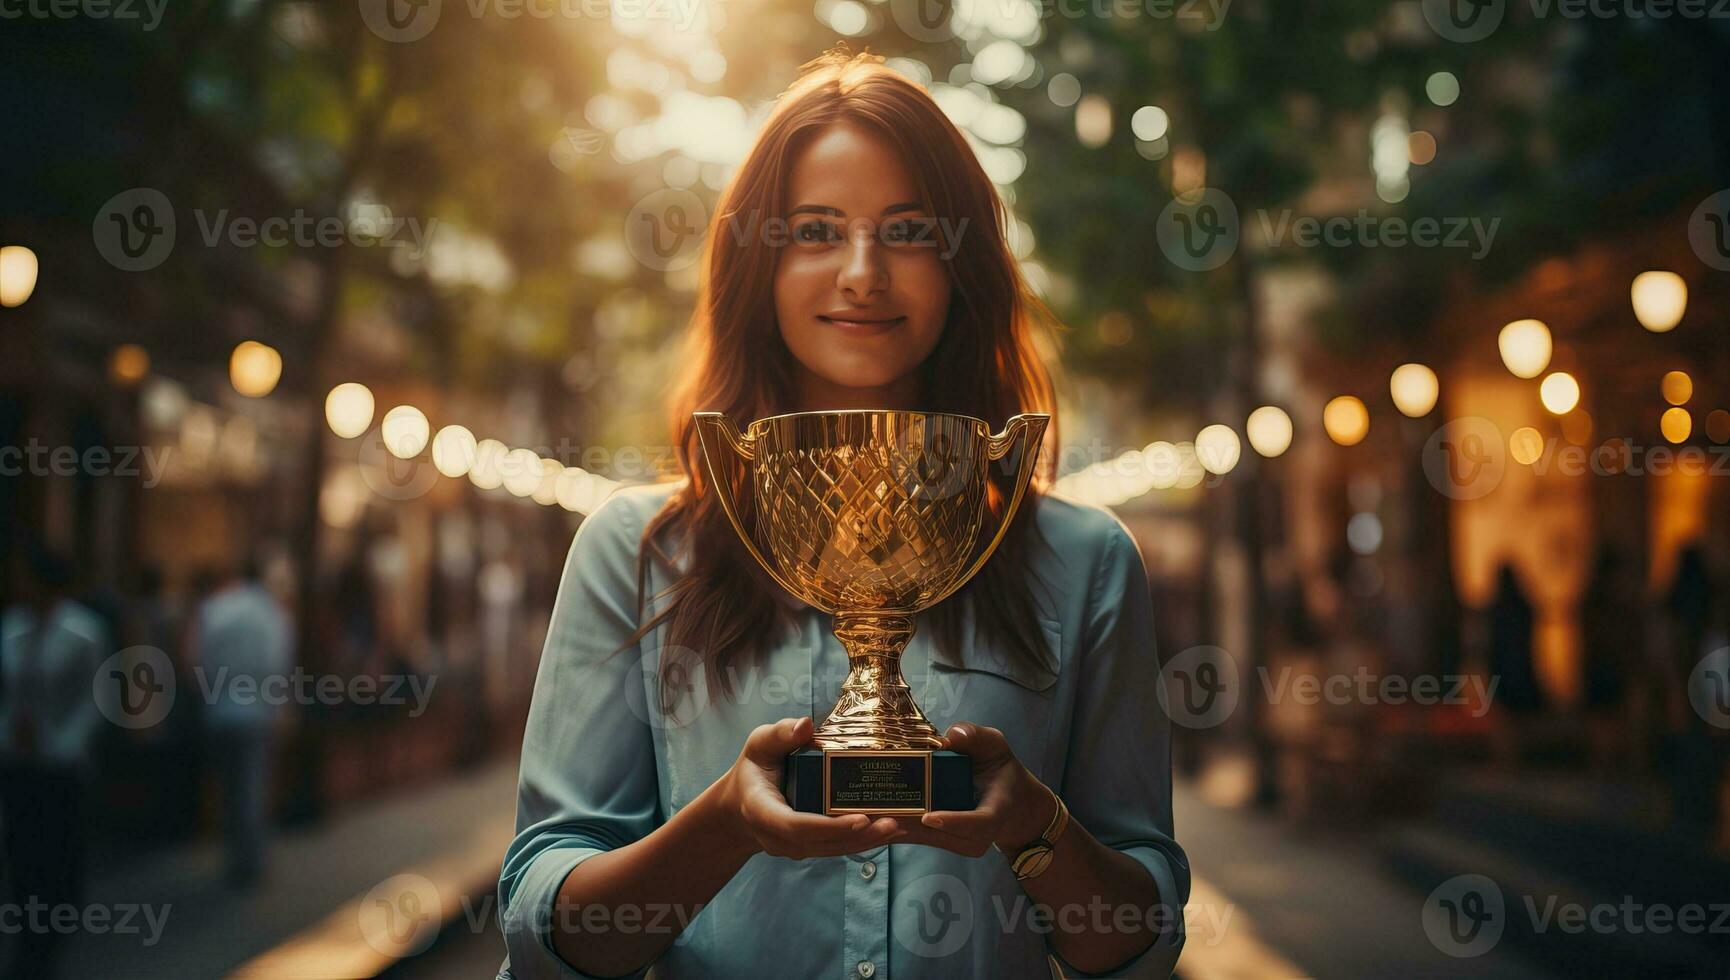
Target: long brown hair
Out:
[722,608]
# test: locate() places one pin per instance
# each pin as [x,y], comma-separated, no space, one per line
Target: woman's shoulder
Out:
[616,526]
[1082,534]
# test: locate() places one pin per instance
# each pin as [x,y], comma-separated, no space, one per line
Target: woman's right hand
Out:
[753,800]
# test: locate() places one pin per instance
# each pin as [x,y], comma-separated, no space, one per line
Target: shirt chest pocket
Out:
[990,686]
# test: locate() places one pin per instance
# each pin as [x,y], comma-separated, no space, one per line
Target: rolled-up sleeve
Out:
[588,781]
[1117,781]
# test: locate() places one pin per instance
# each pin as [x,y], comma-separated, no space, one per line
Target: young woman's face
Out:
[861,292]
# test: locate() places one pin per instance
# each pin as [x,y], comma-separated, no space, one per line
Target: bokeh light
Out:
[405,431]
[453,450]
[521,472]
[487,473]
[18,269]
[128,365]
[1414,389]
[1677,387]
[1526,445]
[254,368]
[1442,88]
[1347,420]
[1525,346]
[1217,448]
[348,409]
[1269,430]
[1660,299]
[1676,424]
[1559,392]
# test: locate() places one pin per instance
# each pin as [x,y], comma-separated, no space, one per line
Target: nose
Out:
[863,271]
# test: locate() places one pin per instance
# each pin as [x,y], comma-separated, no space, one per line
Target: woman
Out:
[857,261]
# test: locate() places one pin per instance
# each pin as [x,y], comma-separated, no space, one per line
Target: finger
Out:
[982,742]
[964,823]
[871,835]
[771,744]
[920,833]
[774,816]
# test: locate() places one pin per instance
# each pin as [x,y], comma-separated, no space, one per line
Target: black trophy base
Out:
[878,781]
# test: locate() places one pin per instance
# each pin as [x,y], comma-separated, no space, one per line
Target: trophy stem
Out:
[876,709]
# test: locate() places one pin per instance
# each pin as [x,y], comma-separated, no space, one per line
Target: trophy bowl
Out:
[871,516]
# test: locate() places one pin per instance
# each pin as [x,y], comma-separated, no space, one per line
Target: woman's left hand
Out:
[1014,807]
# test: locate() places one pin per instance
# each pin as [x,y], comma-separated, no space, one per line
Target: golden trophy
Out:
[871,516]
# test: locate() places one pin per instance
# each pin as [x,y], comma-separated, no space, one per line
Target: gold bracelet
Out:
[1032,860]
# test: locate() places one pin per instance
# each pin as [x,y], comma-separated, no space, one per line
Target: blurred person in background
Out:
[1695,754]
[51,646]
[241,635]
[1511,627]
[1610,625]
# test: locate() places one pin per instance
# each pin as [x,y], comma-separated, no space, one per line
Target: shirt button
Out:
[868,870]
[866,968]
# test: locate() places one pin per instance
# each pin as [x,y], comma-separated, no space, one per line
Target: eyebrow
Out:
[837,213]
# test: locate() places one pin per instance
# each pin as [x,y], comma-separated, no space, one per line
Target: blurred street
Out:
[1393,333]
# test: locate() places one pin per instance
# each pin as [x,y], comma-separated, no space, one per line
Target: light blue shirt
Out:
[243,637]
[603,765]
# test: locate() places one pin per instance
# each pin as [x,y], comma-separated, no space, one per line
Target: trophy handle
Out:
[1023,434]
[721,441]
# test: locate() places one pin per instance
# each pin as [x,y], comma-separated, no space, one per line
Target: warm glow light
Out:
[405,431]
[348,409]
[572,488]
[1525,347]
[1559,392]
[547,490]
[18,268]
[1269,430]
[254,368]
[1093,121]
[521,470]
[488,472]
[1414,388]
[453,451]
[1347,420]
[1678,387]
[1660,299]
[1676,424]
[1526,445]
[128,365]
[1217,448]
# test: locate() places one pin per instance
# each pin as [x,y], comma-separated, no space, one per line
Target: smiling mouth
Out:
[863,323]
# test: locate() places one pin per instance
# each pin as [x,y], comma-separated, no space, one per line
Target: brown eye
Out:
[901,232]
[814,233]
